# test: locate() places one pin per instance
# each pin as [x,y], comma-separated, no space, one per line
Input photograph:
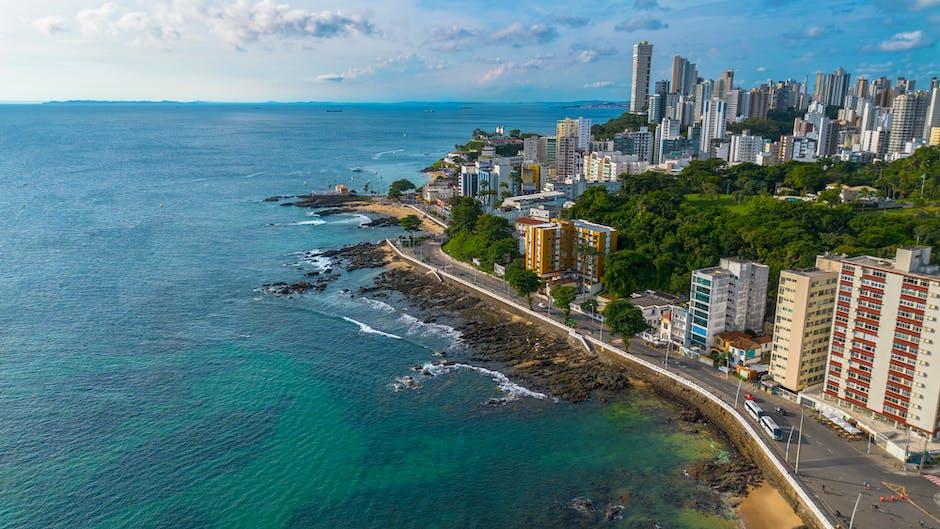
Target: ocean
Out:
[147,381]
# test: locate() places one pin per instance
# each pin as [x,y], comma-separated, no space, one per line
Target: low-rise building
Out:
[653,305]
[576,245]
[742,348]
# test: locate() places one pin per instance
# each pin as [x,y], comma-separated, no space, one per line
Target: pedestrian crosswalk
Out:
[933,479]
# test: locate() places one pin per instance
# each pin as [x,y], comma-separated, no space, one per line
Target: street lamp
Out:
[799,442]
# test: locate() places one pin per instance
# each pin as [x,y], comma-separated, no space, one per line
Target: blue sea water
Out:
[147,382]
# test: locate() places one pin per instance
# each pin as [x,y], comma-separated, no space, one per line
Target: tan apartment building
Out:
[885,337]
[802,323]
[575,245]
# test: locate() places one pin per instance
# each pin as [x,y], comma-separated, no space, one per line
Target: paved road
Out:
[831,468]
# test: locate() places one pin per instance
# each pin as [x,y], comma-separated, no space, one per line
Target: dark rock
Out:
[381,222]
[582,505]
[326,201]
[613,512]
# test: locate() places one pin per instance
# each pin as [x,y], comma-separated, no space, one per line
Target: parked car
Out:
[781,411]
[748,396]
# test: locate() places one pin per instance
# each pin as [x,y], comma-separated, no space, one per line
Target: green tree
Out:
[410,223]
[464,212]
[589,305]
[625,319]
[564,297]
[398,187]
[525,282]
[628,271]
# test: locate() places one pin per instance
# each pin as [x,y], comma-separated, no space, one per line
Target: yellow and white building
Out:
[569,245]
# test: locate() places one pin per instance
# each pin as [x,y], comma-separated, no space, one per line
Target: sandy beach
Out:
[393,209]
[765,508]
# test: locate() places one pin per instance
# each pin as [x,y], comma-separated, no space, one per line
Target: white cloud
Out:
[510,67]
[402,63]
[924,4]
[589,54]
[109,21]
[640,22]
[50,25]
[761,68]
[330,77]
[909,40]
[242,22]
[599,84]
[518,34]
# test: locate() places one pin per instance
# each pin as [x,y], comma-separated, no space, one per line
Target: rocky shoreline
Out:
[530,356]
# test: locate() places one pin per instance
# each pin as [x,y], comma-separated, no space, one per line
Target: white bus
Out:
[771,428]
[754,409]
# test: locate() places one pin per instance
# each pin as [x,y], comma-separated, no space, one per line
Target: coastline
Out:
[745,491]
[780,508]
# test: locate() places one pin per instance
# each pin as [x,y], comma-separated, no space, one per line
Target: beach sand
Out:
[766,508]
[396,210]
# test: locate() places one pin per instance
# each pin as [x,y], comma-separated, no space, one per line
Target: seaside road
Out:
[833,469]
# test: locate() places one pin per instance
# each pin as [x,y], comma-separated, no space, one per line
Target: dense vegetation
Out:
[396,188]
[627,120]
[776,124]
[663,235]
[474,235]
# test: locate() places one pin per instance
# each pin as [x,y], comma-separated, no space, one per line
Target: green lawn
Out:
[721,201]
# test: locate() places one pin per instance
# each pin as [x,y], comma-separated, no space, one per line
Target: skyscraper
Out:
[714,120]
[861,87]
[819,87]
[902,124]
[837,87]
[684,76]
[729,297]
[642,65]
[933,110]
[725,83]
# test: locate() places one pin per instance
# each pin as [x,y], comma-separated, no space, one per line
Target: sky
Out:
[440,50]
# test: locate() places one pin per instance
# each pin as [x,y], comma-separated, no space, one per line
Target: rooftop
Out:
[653,298]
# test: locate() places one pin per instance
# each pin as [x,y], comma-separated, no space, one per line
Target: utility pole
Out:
[789,438]
[923,456]
[738,392]
[868,450]
[668,348]
[852,519]
[799,442]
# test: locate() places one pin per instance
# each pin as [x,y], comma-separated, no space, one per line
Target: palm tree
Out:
[588,251]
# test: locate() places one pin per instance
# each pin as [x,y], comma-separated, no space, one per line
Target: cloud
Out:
[761,68]
[587,54]
[450,38]
[924,4]
[510,67]
[599,84]
[910,40]
[402,63]
[518,34]
[330,77]
[640,22]
[648,5]
[141,28]
[50,25]
[570,21]
[811,32]
[242,23]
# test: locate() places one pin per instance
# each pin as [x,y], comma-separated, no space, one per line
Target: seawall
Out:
[746,438]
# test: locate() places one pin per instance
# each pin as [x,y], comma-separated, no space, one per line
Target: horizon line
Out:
[297,102]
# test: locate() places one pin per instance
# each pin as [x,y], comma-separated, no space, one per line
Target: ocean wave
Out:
[312,260]
[378,155]
[512,390]
[353,218]
[377,304]
[369,330]
[422,328]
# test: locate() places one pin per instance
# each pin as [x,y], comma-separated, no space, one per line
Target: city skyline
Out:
[217,50]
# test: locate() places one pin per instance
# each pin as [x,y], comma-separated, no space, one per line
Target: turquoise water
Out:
[145,381]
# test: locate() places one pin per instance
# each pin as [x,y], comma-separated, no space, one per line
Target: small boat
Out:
[333,110]
[357,169]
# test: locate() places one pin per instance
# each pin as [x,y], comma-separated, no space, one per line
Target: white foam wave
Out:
[311,222]
[377,304]
[354,218]
[422,328]
[378,155]
[369,330]
[313,260]
[512,390]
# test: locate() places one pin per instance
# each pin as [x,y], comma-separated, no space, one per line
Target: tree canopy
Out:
[624,318]
[398,187]
[524,281]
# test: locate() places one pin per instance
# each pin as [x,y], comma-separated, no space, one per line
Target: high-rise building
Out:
[566,152]
[636,142]
[684,76]
[922,102]
[725,83]
[904,86]
[933,111]
[729,297]
[902,123]
[642,66]
[805,301]
[714,121]
[733,105]
[579,128]
[819,87]
[758,102]
[703,93]
[837,87]
[861,87]
[530,149]
[881,349]
[746,148]
[654,108]
[668,129]
[934,140]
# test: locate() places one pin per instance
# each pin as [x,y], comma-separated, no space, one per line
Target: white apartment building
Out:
[608,166]
[729,297]
[746,148]
[885,337]
[713,124]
